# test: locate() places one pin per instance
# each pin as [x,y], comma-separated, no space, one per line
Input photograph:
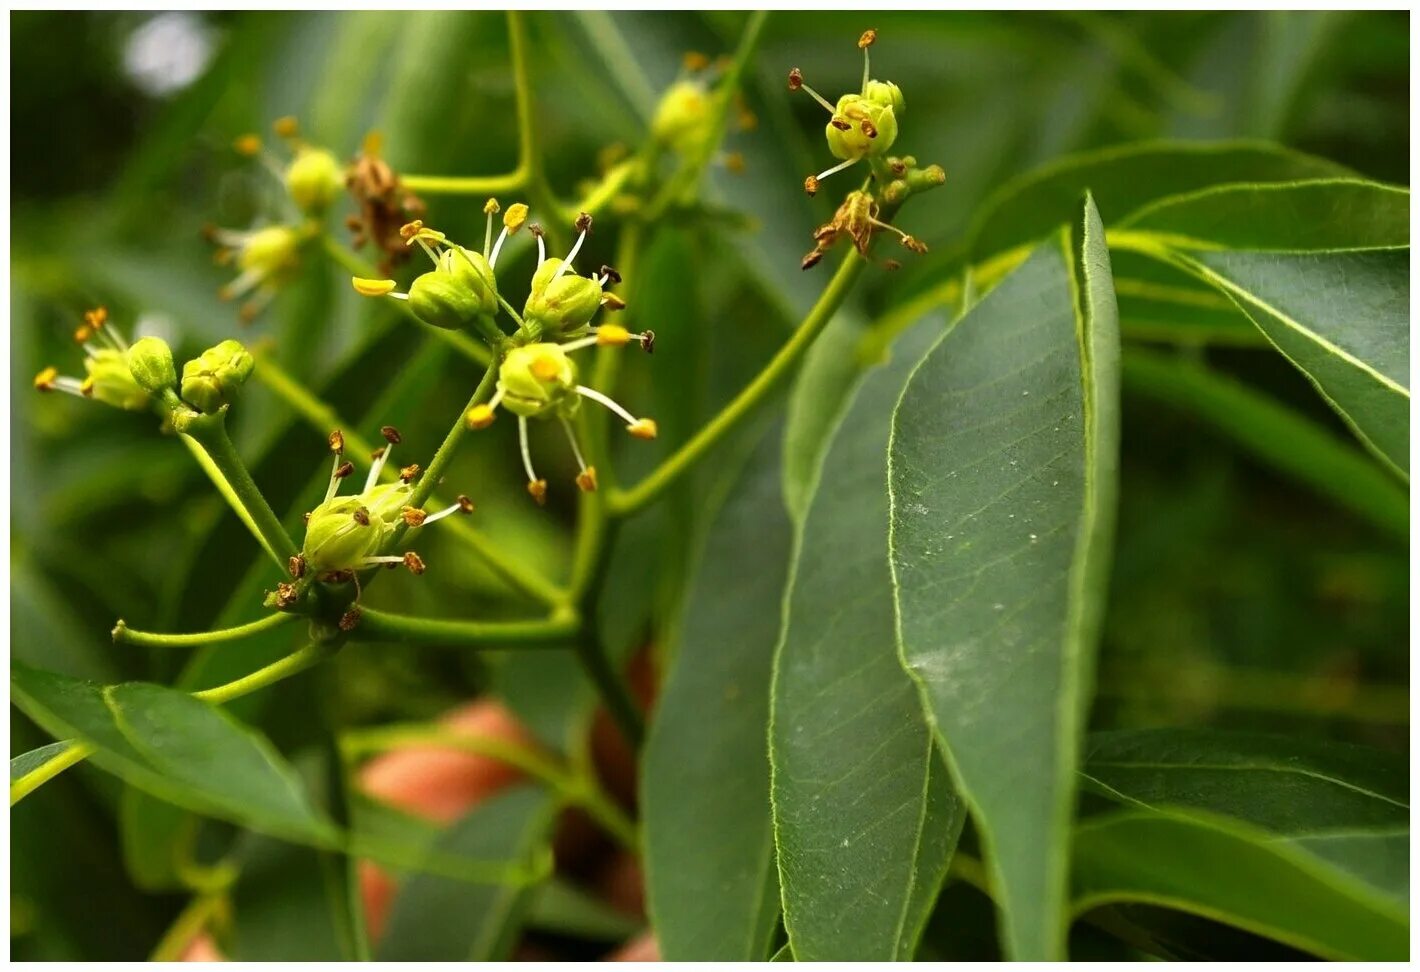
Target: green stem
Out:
[404,629]
[78,751]
[445,453]
[225,488]
[293,664]
[465,185]
[191,922]
[42,774]
[621,503]
[584,792]
[210,431]
[610,686]
[684,181]
[124,635]
[457,340]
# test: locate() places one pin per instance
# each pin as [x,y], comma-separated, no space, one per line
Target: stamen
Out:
[335,477]
[603,400]
[377,466]
[427,249]
[480,416]
[366,287]
[44,381]
[523,447]
[489,208]
[536,231]
[811,183]
[643,428]
[463,505]
[407,474]
[264,295]
[796,83]
[336,441]
[866,41]
[572,441]
[613,336]
[584,226]
[245,281]
[581,343]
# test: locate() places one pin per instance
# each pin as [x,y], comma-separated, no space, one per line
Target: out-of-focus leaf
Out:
[1125,177]
[864,817]
[1320,214]
[1274,434]
[177,747]
[1158,302]
[564,909]
[1003,469]
[705,782]
[1346,804]
[1235,874]
[435,919]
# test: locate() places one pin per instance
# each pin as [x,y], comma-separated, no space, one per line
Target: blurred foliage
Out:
[1238,599]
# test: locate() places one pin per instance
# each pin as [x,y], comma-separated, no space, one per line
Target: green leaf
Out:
[1238,875]
[178,748]
[1346,804]
[705,782]
[1003,467]
[1321,214]
[1343,318]
[436,919]
[864,819]
[27,763]
[1269,431]
[1123,178]
[564,909]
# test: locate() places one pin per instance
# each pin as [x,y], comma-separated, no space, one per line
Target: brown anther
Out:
[869,37]
[811,185]
[336,440]
[841,125]
[408,473]
[353,224]
[587,480]
[286,126]
[297,566]
[337,577]
[695,61]
[891,265]
[411,229]
[796,79]
[538,490]
[811,259]
[898,167]
[391,434]
[44,381]
[612,302]
[735,162]
[869,129]
[86,387]
[648,340]
[413,517]
[97,317]
[306,518]
[344,469]
[361,516]
[583,223]
[610,273]
[286,595]
[465,504]
[412,561]
[350,619]
[536,230]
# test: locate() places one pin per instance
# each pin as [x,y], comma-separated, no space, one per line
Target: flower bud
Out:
[563,305]
[150,362]
[456,292]
[213,379]
[110,380]
[680,122]
[314,179]
[864,125]
[536,378]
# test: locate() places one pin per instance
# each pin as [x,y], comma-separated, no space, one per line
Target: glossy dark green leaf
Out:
[1321,214]
[178,748]
[1159,302]
[705,781]
[1003,469]
[1237,874]
[1347,804]
[1276,435]
[435,919]
[1124,178]
[864,818]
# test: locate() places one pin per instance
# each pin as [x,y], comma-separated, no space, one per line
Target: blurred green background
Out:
[1239,598]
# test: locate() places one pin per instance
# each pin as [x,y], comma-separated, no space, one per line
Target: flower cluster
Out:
[537,378]
[142,376]
[863,126]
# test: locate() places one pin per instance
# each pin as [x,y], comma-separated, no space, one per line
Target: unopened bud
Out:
[214,379]
[150,361]
[314,179]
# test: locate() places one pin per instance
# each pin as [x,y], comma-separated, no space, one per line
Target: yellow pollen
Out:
[83,333]
[869,37]
[247,144]
[612,336]
[587,480]
[413,517]
[537,489]
[286,126]
[411,229]
[371,288]
[479,417]
[695,61]
[44,381]
[491,206]
[545,367]
[96,318]
[643,428]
